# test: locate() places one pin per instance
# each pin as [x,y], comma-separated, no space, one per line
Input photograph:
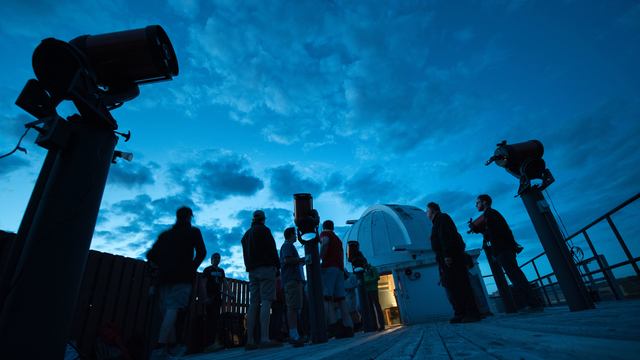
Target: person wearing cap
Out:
[172,254]
[261,261]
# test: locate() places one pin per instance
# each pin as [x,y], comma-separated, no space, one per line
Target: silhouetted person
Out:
[214,279]
[447,243]
[503,248]
[278,310]
[292,282]
[332,266]
[371,278]
[173,255]
[261,261]
[350,285]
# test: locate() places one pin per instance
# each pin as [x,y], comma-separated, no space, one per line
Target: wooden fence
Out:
[119,290]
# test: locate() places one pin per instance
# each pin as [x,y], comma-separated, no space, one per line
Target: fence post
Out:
[623,245]
[611,279]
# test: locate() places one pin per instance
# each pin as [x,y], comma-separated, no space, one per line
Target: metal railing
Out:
[550,291]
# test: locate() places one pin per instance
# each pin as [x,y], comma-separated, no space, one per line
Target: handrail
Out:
[531,261]
[602,269]
[632,199]
[614,266]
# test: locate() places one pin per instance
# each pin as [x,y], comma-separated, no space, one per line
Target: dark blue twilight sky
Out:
[356,102]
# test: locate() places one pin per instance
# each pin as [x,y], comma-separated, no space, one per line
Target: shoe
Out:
[530,310]
[381,328]
[482,316]
[456,320]
[250,347]
[345,332]
[470,319]
[333,329]
[160,354]
[212,348]
[488,313]
[270,345]
[357,327]
[299,342]
[280,339]
[177,351]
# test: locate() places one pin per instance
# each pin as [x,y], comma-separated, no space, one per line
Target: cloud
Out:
[142,211]
[631,17]
[278,219]
[450,201]
[588,138]
[215,175]
[370,186]
[464,35]
[286,181]
[187,8]
[131,175]
[13,128]
[138,221]
[47,18]
[13,163]
[360,72]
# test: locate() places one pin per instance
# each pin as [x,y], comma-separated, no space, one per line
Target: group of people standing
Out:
[264,266]
[173,255]
[449,248]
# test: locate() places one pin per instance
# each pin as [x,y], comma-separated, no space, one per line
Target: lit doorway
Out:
[388,300]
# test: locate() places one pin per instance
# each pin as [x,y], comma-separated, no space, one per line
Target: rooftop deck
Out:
[611,331]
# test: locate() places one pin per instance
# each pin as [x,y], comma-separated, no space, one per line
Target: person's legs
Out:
[338,296]
[172,298]
[265,314]
[267,276]
[344,309]
[507,259]
[353,308]
[252,314]
[355,319]
[328,283]
[372,310]
[214,340]
[293,292]
[376,303]
[254,305]
[278,310]
[166,329]
[481,300]
[464,303]
[292,320]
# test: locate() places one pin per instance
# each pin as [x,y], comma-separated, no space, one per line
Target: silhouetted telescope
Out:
[117,62]
[521,159]
[305,216]
[98,73]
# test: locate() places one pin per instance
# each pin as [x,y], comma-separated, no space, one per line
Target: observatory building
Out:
[395,239]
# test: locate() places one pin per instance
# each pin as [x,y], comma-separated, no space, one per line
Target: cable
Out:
[566,234]
[576,253]
[18,146]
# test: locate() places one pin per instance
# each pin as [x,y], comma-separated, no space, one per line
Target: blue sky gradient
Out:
[357,103]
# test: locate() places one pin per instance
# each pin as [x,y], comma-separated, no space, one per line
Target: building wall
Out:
[378,231]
